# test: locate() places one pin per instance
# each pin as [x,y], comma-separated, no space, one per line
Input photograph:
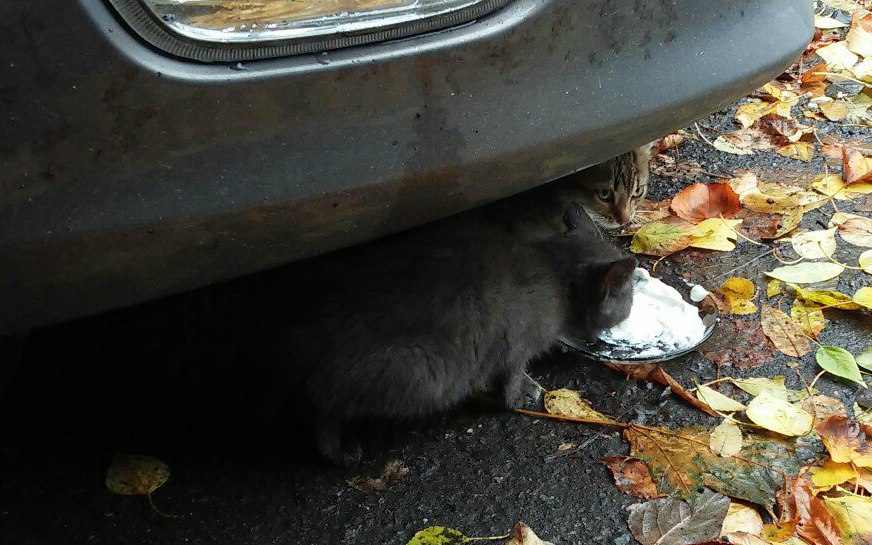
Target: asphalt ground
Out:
[175,380]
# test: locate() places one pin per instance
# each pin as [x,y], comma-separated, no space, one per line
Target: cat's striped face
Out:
[612,197]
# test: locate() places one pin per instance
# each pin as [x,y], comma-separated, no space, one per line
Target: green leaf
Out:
[864,360]
[807,273]
[657,238]
[438,535]
[839,362]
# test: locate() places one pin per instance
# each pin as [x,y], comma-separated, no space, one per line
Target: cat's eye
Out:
[604,194]
[638,192]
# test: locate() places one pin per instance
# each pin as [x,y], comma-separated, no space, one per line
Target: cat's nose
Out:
[623,217]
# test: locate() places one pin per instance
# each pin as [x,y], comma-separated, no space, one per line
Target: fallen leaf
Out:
[823,407]
[718,401]
[815,525]
[660,238]
[136,475]
[824,22]
[853,515]
[773,288]
[565,402]
[858,109]
[726,439]
[701,201]
[837,56]
[748,114]
[815,244]
[835,110]
[647,212]
[741,518]
[670,521]
[438,535]
[808,316]
[839,362]
[863,69]
[739,293]
[859,37]
[524,535]
[392,473]
[715,234]
[828,298]
[801,151]
[831,474]
[855,167]
[865,261]
[632,477]
[863,297]
[738,144]
[778,415]
[846,441]
[775,385]
[784,333]
[744,538]
[681,460]
[864,359]
[807,273]
[857,231]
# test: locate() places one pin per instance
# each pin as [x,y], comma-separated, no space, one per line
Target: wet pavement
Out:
[174,380]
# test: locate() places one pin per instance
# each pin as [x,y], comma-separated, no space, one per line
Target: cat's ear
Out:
[618,274]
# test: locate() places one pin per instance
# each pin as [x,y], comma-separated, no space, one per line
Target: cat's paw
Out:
[523,393]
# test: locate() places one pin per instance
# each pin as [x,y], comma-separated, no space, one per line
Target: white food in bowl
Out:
[660,320]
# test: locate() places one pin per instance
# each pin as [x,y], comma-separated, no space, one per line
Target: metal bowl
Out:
[598,350]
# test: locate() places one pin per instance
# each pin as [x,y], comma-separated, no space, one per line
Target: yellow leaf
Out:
[801,151]
[747,114]
[808,316]
[565,402]
[740,294]
[853,514]
[717,400]
[741,518]
[773,288]
[136,475]
[831,474]
[775,385]
[438,535]
[726,439]
[784,333]
[778,415]
[815,244]
[864,297]
[859,37]
[807,273]
[827,23]
[837,56]
[715,234]
[828,298]
[866,261]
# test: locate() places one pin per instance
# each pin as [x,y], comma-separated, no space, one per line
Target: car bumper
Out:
[128,174]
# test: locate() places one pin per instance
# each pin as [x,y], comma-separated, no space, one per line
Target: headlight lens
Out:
[247,21]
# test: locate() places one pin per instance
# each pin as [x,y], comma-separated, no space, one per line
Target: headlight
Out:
[288,26]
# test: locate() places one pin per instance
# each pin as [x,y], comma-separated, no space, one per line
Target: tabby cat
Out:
[610,191]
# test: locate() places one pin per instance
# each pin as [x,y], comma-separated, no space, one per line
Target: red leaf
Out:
[816,525]
[701,201]
[632,477]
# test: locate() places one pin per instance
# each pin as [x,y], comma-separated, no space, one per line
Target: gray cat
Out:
[424,320]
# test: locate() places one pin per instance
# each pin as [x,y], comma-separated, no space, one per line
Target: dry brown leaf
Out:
[784,333]
[815,524]
[702,201]
[670,521]
[524,535]
[632,477]
[855,166]
[847,441]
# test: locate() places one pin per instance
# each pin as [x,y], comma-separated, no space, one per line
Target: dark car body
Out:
[129,173]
